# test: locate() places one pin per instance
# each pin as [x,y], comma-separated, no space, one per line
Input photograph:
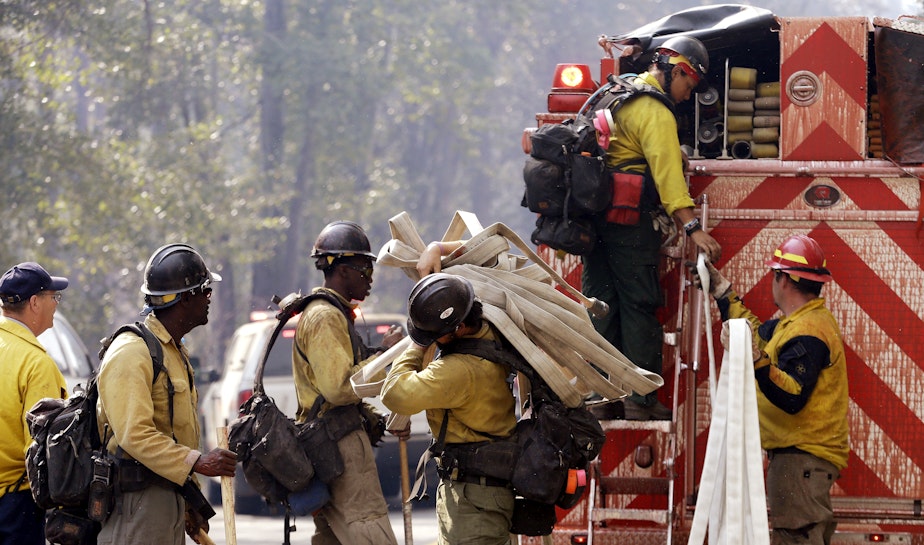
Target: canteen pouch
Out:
[626,201]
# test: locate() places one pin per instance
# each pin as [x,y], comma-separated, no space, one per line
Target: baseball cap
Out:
[25,280]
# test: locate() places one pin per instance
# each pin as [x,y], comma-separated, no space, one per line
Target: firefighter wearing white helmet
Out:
[326,353]
[622,269]
[468,403]
[801,374]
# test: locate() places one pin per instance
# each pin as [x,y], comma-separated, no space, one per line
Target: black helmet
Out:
[340,239]
[694,51]
[175,268]
[437,305]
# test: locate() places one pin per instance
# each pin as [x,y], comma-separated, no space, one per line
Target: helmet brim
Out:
[817,276]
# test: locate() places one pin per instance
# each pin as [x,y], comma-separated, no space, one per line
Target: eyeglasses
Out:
[205,289]
[56,296]
[365,271]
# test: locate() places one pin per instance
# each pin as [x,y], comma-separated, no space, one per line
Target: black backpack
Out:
[554,440]
[65,438]
[567,181]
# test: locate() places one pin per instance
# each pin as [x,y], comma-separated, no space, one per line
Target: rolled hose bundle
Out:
[551,330]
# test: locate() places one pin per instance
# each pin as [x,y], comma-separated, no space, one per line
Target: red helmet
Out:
[801,256]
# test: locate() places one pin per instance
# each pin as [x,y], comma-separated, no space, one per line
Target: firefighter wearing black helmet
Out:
[152,426]
[467,401]
[326,353]
[622,269]
[800,368]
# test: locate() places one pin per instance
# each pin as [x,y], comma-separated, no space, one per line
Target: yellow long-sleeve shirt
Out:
[28,374]
[473,389]
[646,128]
[323,335]
[794,371]
[137,411]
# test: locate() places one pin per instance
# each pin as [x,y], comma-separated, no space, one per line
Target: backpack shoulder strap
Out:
[155,349]
[620,91]
[151,340]
[359,348]
[497,351]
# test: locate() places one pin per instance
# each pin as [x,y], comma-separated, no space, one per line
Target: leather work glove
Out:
[373,423]
[195,521]
[719,286]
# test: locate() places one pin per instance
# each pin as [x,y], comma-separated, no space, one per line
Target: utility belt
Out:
[485,462]
[114,476]
[342,420]
[784,450]
[132,476]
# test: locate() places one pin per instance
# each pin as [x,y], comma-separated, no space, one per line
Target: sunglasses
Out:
[365,271]
[205,289]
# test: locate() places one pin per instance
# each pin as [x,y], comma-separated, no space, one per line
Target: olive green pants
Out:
[473,514]
[622,271]
[799,498]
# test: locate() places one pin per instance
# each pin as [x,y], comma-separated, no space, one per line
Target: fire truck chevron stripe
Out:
[843,72]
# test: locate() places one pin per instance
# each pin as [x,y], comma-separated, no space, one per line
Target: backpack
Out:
[566,177]
[66,439]
[554,441]
[272,448]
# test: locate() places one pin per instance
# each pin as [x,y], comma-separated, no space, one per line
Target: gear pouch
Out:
[626,203]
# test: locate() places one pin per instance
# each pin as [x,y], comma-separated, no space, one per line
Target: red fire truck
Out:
[841,158]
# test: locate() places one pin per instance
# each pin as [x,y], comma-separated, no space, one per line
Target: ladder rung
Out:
[659,516]
[635,485]
[663,426]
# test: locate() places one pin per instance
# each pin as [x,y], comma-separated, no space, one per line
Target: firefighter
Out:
[802,397]
[29,297]
[326,353]
[468,401]
[622,269]
[152,426]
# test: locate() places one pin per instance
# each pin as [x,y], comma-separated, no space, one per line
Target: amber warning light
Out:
[573,77]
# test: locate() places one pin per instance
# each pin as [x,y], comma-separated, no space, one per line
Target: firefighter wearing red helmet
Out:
[802,398]
[622,269]
[326,352]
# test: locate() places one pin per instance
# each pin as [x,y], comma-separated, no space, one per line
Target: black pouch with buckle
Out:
[318,437]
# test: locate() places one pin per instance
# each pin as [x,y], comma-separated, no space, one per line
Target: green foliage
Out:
[244,127]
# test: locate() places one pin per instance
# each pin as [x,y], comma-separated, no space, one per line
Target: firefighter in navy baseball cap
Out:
[27,279]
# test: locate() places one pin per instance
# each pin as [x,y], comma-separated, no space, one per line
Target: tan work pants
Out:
[153,516]
[357,513]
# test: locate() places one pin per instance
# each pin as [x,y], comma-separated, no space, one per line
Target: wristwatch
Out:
[692,226]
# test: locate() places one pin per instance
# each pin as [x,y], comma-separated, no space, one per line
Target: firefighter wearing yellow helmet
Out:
[622,269]
[801,375]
